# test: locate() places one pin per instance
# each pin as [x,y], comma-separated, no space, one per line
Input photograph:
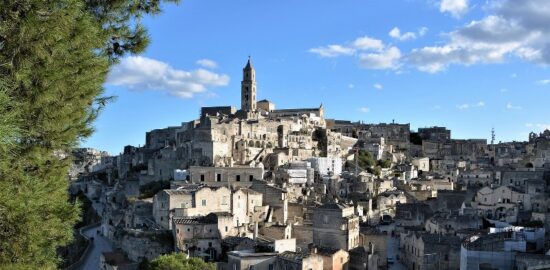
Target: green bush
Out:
[178,261]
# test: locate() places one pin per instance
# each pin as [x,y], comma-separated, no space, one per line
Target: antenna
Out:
[493,136]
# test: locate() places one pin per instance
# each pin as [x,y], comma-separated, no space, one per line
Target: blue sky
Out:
[467,65]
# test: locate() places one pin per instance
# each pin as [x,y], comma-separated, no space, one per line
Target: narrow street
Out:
[99,244]
[393,245]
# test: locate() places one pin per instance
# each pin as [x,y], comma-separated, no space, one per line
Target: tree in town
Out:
[54,59]
[179,261]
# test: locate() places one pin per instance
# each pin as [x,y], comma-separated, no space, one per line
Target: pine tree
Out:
[54,59]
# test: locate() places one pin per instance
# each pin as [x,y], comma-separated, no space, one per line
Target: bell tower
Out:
[248,88]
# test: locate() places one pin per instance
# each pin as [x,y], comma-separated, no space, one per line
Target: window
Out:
[270,267]
[325,219]
[250,178]
[202,177]
[226,228]
[209,244]
[446,257]
[238,178]
[188,229]
[224,200]
[219,177]
[203,202]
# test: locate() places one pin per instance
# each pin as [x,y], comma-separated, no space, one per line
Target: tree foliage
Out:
[178,261]
[365,159]
[54,59]
[386,163]
[150,189]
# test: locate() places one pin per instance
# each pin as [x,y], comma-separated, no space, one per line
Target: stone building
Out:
[189,202]
[276,198]
[501,203]
[225,176]
[336,226]
[411,215]
[335,259]
[160,138]
[201,236]
[298,261]
[325,166]
[375,243]
[450,223]
[246,260]
[439,134]
[386,202]
[492,251]
[244,204]
[424,251]
[422,164]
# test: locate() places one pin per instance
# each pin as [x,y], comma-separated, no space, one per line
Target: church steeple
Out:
[248,88]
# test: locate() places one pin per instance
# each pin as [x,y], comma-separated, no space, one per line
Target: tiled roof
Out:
[292,256]
[208,219]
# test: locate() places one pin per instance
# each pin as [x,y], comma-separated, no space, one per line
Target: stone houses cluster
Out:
[277,189]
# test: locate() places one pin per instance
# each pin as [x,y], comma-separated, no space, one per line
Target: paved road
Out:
[393,245]
[99,245]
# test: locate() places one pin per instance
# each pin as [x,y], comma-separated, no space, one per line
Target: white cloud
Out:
[457,8]
[466,106]
[367,43]
[378,86]
[513,28]
[207,63]
[544,82]
[437,107]
[386,59]
[332,50]
[364,109]
[142,73]
[372,53]
[396,34]
[510,106]
[503,90]
[351,86]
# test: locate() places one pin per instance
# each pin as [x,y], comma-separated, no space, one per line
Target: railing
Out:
[79,262]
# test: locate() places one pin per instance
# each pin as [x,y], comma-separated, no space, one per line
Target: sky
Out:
[467,65]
